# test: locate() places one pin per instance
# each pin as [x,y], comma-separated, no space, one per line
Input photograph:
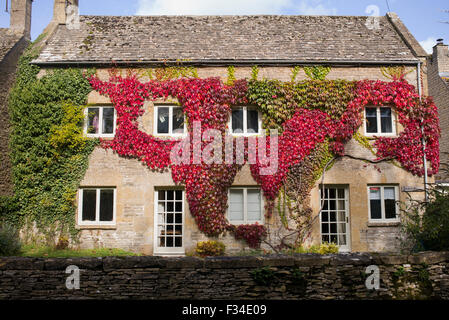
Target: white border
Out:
[245,206]
[100,122]
[97,209]
[245,124]
[170,121]
[347,247]
[379,125]
[164,251]
[382,204]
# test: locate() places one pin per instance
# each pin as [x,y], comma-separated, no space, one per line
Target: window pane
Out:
[93,120]
[178,120]
[253,206]
[386,120]
[108,120]
[106,205]
[162,119]
[237,120]
[390,203]
[252,119]
[389,193]
[89,205]
[371,120]
[236,205]
[375,204]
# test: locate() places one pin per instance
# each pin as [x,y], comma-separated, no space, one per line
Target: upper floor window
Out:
[101,122]
[96,206]
[245,121]
[383,204]
[169,120]
[379,121]
[245,206]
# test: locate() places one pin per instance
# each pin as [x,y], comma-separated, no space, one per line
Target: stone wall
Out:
[302,276]
[439,89]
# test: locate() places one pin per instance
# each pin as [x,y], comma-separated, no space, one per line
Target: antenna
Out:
[388,6]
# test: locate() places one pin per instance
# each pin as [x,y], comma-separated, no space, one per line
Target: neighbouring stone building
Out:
[438,77]
[13,41]
[136,199]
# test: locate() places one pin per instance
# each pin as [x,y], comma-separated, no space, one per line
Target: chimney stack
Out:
[20,21]
[441,56]
[65,11]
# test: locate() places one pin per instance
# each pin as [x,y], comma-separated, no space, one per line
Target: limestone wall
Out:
[302,276]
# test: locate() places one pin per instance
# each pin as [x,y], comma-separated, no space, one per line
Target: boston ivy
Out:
[309,114]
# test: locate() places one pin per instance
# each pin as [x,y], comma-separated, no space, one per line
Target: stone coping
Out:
[225,262]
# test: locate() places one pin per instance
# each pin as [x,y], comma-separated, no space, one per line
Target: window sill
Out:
[379,135]
[96,227]
[108,137]
[383,224]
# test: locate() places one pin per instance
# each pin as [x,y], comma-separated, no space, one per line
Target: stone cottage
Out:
[438,77]
[123,204]
[13,41]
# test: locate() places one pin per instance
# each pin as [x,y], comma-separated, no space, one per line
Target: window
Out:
[245,206]
[169,120]
[383,203]
[379,120]
[96,206]
[169,222]
[100,122]
[334,216]
[245,121]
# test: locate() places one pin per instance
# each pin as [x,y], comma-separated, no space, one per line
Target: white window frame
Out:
[379,132]
[97,221]
[245,122]
[382,203]
[245,206]
[100,123]
[341,248]
[167,251]
[170,121]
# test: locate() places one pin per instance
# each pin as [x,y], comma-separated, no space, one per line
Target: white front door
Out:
[334,217]
[169,222]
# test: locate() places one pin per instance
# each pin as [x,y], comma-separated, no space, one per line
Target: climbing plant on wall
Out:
[48,152]
[310,115]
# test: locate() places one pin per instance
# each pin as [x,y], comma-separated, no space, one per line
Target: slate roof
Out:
[7,42]
[101,39]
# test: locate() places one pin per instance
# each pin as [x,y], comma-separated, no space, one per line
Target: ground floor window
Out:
[335,216]
[96,206]
[245,206]
[383,204]
[169,222]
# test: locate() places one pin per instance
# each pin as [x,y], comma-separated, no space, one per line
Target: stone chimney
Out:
[65,12]
[20,21]
[440,57]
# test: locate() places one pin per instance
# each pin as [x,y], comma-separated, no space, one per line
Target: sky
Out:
[423,18]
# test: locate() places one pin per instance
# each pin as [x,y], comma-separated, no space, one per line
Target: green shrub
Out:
[263,276]
[210,248]
[9,241]
[324,248]
[426,225]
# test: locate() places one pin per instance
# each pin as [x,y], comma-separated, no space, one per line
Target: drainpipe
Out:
[423,140]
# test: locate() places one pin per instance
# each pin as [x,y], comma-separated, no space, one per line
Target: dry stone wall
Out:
[302,276]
